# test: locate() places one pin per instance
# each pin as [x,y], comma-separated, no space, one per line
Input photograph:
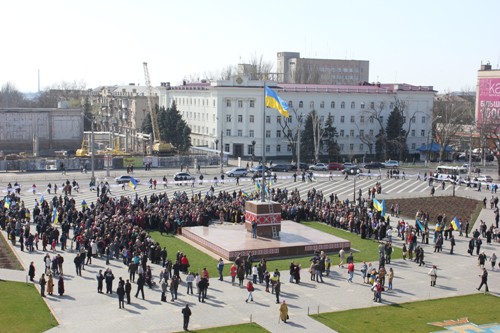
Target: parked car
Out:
[125,179]
[303,166]
[258,168]
[349,165]
[375,165]
[391,164]
[352,171]
[237,172]
[183,176]
[335,166]
[484,178]
[318,167]
[281,167]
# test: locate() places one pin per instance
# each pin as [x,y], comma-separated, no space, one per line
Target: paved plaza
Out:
[82,309]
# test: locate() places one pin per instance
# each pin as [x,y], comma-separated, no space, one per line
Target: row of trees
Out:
[173,128]
[318,135]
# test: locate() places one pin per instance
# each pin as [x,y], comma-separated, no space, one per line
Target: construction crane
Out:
[159,147]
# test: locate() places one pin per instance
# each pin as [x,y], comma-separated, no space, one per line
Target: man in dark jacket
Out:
[484,279]
[186,313]
[140,285]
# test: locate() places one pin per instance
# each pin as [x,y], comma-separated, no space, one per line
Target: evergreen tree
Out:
[307,139]
[147,127]
[396,135]
[330,141]
[88,115]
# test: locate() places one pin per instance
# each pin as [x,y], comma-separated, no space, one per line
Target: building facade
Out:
[488,95]
[232,113]
[292,68]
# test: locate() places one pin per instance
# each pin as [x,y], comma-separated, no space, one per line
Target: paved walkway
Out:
[82,309]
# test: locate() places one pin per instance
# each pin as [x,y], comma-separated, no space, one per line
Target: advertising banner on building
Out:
[488,100]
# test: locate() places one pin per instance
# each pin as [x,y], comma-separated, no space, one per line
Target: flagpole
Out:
[263,187]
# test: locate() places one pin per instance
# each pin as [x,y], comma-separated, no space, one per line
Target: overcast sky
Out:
[438,43]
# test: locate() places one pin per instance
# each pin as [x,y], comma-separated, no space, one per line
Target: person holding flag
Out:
[132,183]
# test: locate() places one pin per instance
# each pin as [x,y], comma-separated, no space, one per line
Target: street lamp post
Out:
[298,143]
[355,176]
[253,149]
[92,153]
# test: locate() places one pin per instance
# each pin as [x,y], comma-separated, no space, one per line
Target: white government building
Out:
[235,109]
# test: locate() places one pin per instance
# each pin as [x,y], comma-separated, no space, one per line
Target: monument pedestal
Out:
[267,215]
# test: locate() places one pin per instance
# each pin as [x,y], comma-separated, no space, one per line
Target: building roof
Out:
[434,147]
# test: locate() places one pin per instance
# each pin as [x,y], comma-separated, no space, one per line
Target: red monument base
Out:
[267,215]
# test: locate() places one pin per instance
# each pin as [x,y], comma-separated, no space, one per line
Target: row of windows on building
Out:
[251,103]
[351,148]
[342,133]
[342,119]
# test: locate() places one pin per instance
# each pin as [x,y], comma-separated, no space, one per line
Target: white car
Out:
[391,164]
[485,178]
[237,172]
[319,167]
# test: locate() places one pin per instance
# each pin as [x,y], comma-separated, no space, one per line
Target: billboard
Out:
[488,100]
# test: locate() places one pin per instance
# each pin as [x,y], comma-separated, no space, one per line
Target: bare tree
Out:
[374,113]
[10,97]
[62,91]
[291,134]
[259,68]
[450,113]
[318,133]
[305,73]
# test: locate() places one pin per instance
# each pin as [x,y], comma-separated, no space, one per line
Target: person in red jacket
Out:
[250,290]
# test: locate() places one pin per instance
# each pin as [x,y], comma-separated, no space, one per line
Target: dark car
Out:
[281,167]
[375,165]
[352,171]
[303,166]
[258,168]
[125,179]
[335,166]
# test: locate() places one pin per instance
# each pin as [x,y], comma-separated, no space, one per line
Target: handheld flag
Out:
[42,199]
[383,208]
[257,185]
[456,224]
[132,183]
[6,203]
[55,216]
[377,205]
[420,225]
[273,101]
[243,193]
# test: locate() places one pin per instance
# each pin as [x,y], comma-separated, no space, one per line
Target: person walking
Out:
[350,271]
[174,285]
[433,274]
[493,260]
[31,271]
[128,290]
[277,290]
[140,285]
[341,255]
[100,279]
[186,313]
[60,285]
[189,283]
[250,290]
[452,243]
[484,279]
[220,268]
[42,283]
[50,285]
[121,295]
[284,312]
[391,277]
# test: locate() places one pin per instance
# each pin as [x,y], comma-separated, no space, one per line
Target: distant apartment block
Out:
[292,68]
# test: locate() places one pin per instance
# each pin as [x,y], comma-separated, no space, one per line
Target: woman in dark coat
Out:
[31,272]
[60,285]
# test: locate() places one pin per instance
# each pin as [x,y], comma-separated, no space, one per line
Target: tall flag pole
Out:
[263,162]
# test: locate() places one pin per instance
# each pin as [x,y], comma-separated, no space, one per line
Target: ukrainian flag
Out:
[132,183]
[55,216]
[243,193]
[420,225]
[257,185]
[6,203]
[273,101]
[456,224]
[383,208]
[377,205]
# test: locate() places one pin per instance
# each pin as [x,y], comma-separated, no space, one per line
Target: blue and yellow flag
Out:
[257,186]
[456,224]
[419,224]
[132,183]
[55,216]
[6,203]
[377,205]
[383,208]
[243,193]
[273,101]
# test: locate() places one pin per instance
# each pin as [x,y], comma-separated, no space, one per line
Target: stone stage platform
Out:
[228,240]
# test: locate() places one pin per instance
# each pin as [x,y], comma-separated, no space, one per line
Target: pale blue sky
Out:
[439,43]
